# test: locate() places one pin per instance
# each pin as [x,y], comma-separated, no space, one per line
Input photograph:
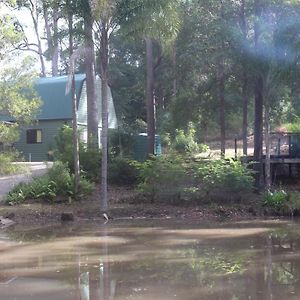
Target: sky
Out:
[24,18]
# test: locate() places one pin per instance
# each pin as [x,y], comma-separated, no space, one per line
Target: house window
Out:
[34,136]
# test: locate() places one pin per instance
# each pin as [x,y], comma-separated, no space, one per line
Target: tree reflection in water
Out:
[109,263]
[271,270]
[95,284]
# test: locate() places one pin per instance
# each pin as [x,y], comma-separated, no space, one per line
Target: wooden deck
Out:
[285,155]
[277,160]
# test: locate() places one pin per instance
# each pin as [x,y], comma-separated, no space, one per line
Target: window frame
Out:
[29,136]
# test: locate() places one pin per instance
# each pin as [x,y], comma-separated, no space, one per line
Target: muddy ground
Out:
[125,203]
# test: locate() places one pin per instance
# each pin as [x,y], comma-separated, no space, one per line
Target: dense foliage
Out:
[122,171]
[281,202]
[90,159]
[57,184]
[179,178]
[8,163]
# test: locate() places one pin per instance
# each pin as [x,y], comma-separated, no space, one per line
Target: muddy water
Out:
[152,260]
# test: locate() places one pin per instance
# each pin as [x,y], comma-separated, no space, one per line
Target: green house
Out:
[38,139]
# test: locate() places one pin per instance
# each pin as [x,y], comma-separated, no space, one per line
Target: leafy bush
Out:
[176,176]
[186,142]
[90,163]
[58,182]
[162,176]
[60,174]
[122,171]
[90,159]
[120,142]
[39,188]
[227,175]
[293,126]
[283,203]
[7,166]
[63,150]
[86,187]
[292,205]
[275,199]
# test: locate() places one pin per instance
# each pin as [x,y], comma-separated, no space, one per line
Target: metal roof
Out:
[56,103]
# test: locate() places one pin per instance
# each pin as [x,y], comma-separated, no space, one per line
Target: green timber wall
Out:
[39,152]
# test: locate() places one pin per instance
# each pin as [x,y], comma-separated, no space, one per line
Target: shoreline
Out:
[125,204]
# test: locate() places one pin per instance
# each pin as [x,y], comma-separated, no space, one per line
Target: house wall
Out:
[82,107]
[39,152]
[82,111]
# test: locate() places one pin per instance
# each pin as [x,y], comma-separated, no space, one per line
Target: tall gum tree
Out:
[109,14]
[51,16]
[103,12]
[159,22]
[84,10]
[72,90]
[35,9]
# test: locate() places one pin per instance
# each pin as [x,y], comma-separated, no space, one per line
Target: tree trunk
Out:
[245,112]
[258,130]
[244,83]
[104,132]
[55,50]
[258,106]
[267,145]
[221,88]
[75,140]
[74,114]
[52,38]
[150,96]
[92,108]
[34,16]
[221,92]
[174,64]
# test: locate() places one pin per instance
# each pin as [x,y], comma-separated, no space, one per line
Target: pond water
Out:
[152,260]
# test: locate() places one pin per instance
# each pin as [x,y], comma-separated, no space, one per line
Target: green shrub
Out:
[86,187]
[293,126]
[90,159]
[292,205]
[186,142]
[120,143]
[63,150]
[40,188]
[227,175]
[283,203]
[122,171]
[175,176]
[275,199]
[58,182]
[65,183]
[60,174]
[162,176]
[90,163]
[7,165]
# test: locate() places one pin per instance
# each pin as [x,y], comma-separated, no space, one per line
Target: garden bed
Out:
[126,204]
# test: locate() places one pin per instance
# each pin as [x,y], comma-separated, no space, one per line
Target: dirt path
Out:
[8,182]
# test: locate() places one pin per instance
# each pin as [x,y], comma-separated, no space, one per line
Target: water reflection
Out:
[143,261]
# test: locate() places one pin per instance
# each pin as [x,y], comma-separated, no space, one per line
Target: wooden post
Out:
[278,147]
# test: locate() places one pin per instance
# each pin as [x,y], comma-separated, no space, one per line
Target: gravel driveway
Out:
[34,170]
